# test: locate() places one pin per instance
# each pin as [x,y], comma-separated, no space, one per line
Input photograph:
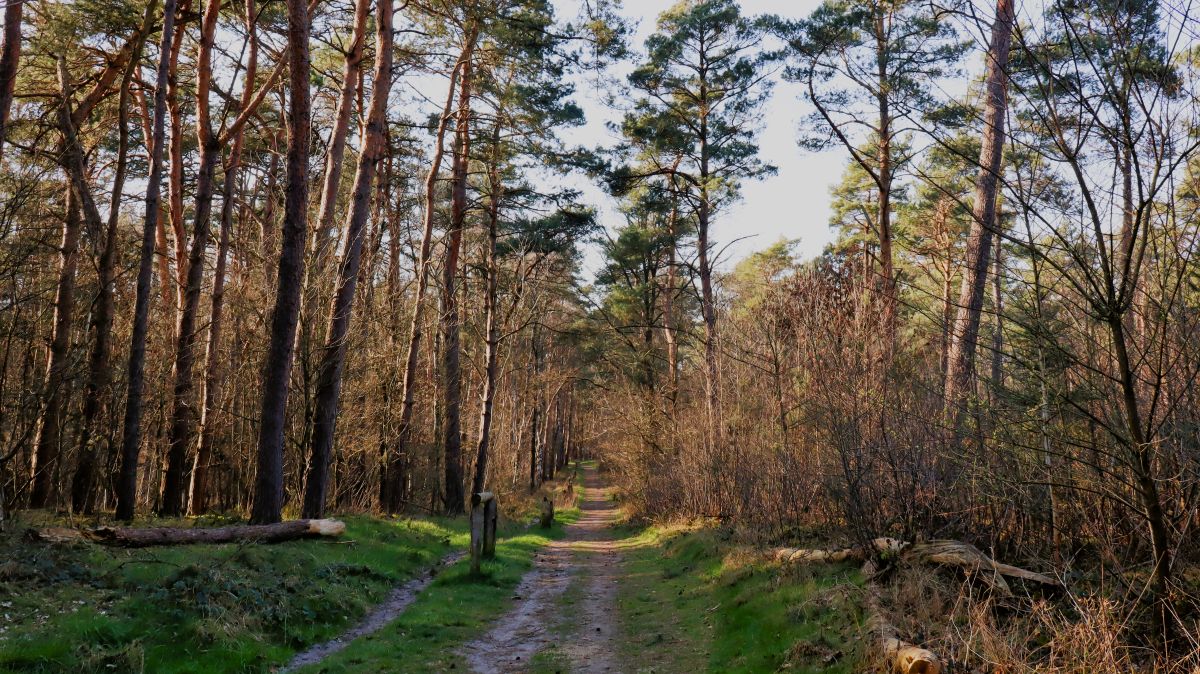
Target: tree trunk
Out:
[213,376]
[708,307]
[997,373]
[337,140]
[984,224]
[132,427]
[454,498]
[669,310]
[183,415]
[47,443]
[323,243]
[10,57]
[884,218]
[79,202]
[268,489]
[95,395]
[394,488]
[491,340]
[329,377]
[175,166]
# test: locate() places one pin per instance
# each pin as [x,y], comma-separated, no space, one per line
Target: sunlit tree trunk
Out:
[268,489]
[451,394]
[395,478]
[183,415]
[132,427]
[333,358]
[96,396]
[490,336]
[984,224]
[213,374]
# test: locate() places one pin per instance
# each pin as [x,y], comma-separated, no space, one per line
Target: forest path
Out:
[581,570]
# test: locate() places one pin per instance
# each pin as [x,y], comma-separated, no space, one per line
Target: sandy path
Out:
[588,555]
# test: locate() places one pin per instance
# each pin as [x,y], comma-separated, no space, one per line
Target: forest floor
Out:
[591,594]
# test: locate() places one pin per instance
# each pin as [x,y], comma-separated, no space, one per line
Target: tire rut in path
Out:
[377,619]
[587,555]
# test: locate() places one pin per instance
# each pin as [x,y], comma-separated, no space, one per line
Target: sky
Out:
[792,204]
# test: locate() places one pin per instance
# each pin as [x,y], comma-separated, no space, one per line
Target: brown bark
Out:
[132,432]
[323,243]
[213,375]
[268,490]
[329,376]
[175,164]
[450,320]
[10,57]
[708,309]
[341,125]
[490,336]
[161,255]
[884,158]
[984,224]
[79,204]
[95,393]
[184,415]
[47,442]
[394,492]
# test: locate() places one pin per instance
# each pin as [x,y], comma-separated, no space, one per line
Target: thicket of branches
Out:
[1000,345]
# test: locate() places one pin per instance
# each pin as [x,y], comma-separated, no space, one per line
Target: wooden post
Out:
[547,519]
[490,520]
[483,528]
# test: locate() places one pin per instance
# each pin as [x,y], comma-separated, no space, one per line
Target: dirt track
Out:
[588,556]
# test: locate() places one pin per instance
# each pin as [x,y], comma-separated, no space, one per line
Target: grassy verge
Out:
[690,601]
[201,608]
[454,609]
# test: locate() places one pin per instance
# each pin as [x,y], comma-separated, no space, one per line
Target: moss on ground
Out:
[692,601]
[201,608]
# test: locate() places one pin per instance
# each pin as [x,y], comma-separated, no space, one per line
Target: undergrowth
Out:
[693,600]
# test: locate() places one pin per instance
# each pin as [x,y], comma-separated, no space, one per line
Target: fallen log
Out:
[135,537]
[974,562]
[941,552]
[855,554]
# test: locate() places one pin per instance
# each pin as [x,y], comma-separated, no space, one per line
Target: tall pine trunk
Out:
[184,415]
[984,225]
[490,337]
[132,428]
[393,492]
[453,501]
[268,488]
[10,57]
[95,396]
[329,376]
[213,375]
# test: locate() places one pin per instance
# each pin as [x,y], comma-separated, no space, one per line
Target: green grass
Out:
[201,608]
[456,608]
[691,602]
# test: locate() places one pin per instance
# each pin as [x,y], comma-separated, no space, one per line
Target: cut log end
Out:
[326,527]
[905,658]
